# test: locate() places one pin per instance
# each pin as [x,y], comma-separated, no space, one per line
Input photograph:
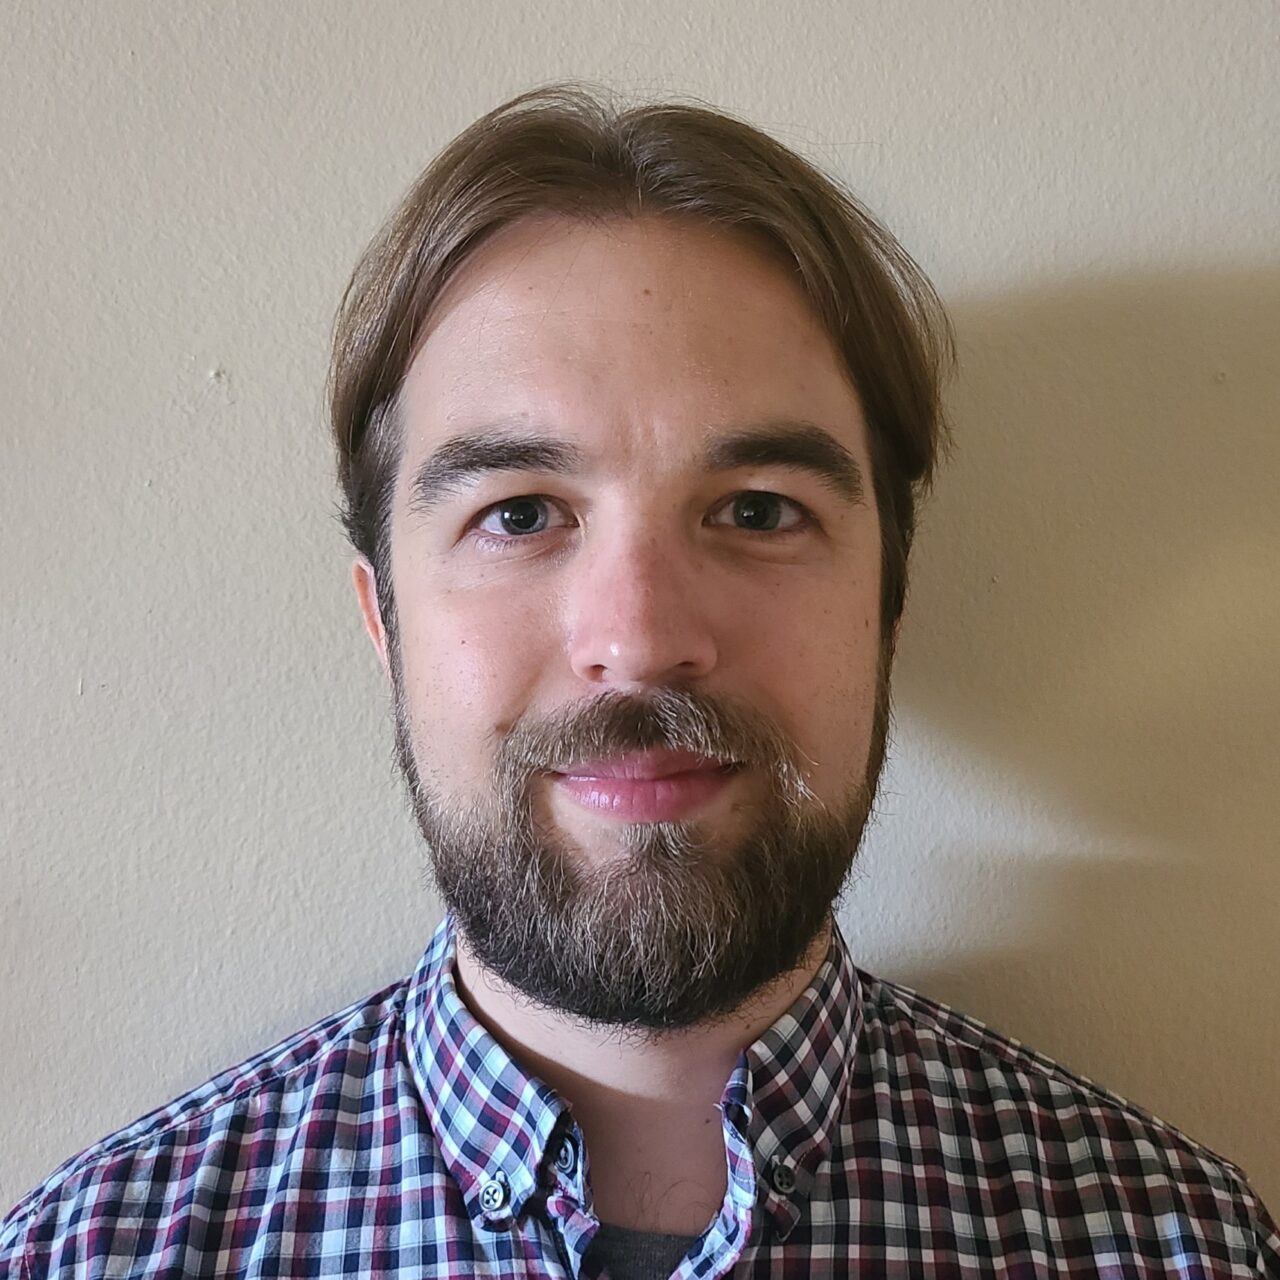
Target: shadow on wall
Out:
[1096,614]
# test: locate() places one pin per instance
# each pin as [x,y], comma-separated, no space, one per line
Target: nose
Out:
[639,614]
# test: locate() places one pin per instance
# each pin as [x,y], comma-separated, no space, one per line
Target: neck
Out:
[646,1104]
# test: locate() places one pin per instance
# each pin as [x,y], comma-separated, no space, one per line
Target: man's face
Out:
[641,695]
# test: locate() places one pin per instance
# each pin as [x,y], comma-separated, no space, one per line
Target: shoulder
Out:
[970,1064]
[1016,1116]
[229,1130]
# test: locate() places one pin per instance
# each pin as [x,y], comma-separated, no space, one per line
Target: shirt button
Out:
[493,1196]
[783,1177]
[567,1157]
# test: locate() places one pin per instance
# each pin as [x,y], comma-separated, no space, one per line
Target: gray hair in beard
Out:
[676,931]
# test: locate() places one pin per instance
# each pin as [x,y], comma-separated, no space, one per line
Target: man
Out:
[632,411]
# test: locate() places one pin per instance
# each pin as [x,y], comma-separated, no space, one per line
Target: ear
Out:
[366,584]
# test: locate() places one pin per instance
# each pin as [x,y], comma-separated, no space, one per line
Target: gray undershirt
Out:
[636,1255]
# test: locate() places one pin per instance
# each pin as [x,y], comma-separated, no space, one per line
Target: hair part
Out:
[562,149]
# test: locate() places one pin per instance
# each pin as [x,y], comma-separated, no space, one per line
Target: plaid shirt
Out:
[868,1132]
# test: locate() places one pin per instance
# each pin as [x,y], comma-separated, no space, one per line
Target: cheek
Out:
[470,663]
[824,675]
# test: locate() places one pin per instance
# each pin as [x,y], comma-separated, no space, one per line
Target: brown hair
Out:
[562,149]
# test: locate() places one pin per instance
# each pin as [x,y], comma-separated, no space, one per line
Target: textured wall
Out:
[204,845]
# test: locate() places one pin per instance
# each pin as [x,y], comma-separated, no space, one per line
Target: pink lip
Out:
[653,786]
[645,764]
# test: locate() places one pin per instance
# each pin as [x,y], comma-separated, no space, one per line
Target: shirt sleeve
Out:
[1266,1234]
[15,1261]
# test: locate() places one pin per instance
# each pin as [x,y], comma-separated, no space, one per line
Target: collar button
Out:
[783,1177]
[567,1157]
[494,1196]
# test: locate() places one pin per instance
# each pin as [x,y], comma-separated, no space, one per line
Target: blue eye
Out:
[516,517]
[760,512]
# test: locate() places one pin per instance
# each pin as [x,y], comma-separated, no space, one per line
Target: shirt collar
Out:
[494,1123]
[497,1125]
[791,1096]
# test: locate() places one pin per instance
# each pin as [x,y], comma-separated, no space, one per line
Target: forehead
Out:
[641,337]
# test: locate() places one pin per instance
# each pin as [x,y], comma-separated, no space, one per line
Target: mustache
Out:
[667,719]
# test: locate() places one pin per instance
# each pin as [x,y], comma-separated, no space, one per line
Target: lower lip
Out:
[670,799]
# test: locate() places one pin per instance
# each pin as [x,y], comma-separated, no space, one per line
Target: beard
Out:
[679,929]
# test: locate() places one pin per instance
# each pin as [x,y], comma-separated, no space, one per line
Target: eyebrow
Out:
[462,460]
[796,445]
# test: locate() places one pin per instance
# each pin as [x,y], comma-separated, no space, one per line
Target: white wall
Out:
[204,845]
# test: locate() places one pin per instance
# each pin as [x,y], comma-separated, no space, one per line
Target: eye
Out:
[760,512]
[517,517]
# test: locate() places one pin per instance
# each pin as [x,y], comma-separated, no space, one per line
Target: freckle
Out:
[647,292]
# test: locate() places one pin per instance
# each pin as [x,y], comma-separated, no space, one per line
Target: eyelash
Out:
[501,545]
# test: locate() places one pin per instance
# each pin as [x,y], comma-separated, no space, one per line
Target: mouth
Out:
[650,786]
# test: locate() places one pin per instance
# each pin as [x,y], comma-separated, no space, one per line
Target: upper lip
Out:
[646,764]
